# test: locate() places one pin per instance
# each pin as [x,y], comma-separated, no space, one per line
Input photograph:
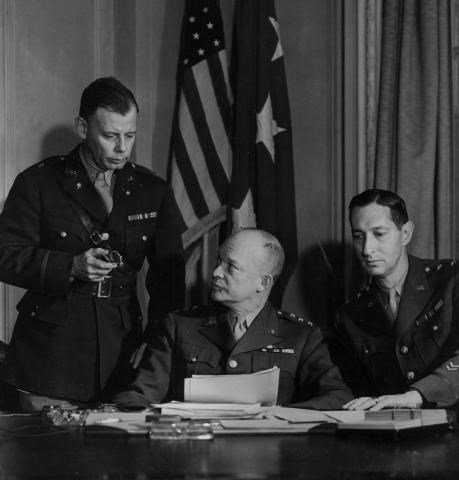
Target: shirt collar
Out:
[398,286]
[92,170]
[249,316]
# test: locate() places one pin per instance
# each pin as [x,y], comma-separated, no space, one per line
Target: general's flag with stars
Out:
[263,190]
[201,153]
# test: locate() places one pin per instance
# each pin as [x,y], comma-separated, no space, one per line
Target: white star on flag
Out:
[267,127]
[278,52]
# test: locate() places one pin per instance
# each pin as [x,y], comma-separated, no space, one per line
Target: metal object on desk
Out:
[181,431]
[56,415]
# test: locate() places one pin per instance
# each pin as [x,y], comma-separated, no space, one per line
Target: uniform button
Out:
[105,236]
[63,234]
[366,351]
[434,328]
[410,375]
[194,359]
[404,349]
[144,238]
[32,314]
[232,364]
[128,192]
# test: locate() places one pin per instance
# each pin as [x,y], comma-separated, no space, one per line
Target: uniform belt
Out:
[105,289]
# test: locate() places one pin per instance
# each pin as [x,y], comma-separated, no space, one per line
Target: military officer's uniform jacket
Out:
[199,342]
[418,350]
[67,342]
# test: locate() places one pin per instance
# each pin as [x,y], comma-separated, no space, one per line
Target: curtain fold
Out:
[414,154]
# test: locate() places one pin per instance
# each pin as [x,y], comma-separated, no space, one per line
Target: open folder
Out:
[260,387]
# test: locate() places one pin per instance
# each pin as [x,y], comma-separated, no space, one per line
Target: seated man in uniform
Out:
[397,341]
[240,333]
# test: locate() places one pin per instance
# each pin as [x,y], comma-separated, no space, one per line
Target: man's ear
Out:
[407,232]
[81,127]
[266,282]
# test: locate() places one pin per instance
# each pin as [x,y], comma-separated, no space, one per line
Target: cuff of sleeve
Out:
[56,268]
[435,391]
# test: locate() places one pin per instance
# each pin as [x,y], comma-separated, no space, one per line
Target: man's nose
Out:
[368,246]
[218,271]
[121,145]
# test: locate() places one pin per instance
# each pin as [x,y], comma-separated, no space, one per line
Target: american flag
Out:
[200,167]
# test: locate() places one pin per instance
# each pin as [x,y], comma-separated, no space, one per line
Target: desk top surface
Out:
[43,453]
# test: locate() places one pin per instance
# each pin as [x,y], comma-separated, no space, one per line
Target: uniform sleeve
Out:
[320,384]
[165,280]
[441,387]
[153,378]
[22,262]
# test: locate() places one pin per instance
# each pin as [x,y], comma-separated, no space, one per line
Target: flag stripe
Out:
[189,177]
[216,170]
[220,84]
[182,197]
[197,158]
[213,117]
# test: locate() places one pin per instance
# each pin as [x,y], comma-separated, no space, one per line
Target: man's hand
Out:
[137,355]
[89,267]
[410,399]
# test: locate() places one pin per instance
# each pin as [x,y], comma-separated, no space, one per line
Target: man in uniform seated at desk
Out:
[240,333]
[398,339]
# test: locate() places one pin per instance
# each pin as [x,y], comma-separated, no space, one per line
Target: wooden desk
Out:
[72,455]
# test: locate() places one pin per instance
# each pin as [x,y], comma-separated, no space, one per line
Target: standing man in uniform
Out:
[398,339]
[241,333]
[74,233]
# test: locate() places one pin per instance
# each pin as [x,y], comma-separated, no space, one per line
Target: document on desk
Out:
[210,410]
[260,387]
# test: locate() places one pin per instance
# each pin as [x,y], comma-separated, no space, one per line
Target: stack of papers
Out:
[252,388]
[212,411]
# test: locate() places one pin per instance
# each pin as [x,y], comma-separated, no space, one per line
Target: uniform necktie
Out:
[239,327]
[392,305]
[100,184]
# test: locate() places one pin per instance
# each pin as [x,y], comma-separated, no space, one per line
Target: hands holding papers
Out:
[252,388]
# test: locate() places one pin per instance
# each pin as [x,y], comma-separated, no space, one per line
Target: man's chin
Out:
[117,164]
[217,294]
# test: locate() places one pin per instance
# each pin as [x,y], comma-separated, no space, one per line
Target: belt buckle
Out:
[104,288]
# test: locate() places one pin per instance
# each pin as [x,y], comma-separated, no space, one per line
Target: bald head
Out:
[266,249]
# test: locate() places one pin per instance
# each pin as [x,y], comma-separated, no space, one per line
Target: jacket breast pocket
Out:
[430,339]
[63,234]
[140,236]
[288,365]
[199,360]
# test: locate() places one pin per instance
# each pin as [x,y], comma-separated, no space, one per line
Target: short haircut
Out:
[108,93]
[386,198]
[272,249]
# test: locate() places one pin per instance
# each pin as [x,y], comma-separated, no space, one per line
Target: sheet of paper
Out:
[346,415]
[299,415]
[210,410]
[269,426]
[260,387]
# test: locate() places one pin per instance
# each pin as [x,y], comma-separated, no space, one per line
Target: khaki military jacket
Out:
[65,342]
[419,350]
[199,341]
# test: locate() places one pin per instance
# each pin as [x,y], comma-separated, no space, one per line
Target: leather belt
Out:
[104,289]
